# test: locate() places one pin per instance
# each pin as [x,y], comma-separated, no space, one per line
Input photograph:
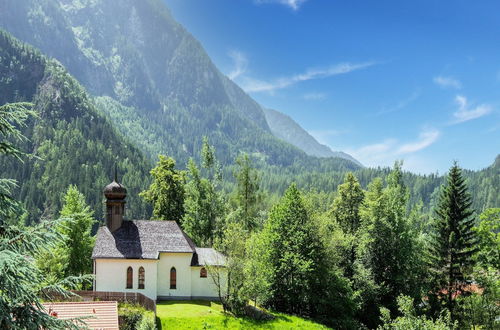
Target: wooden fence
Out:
[130,297]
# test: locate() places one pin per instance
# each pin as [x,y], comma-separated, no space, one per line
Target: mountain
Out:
[287,129]
[71,142]
[151,78]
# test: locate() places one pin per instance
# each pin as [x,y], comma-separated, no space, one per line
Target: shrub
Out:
[135,317]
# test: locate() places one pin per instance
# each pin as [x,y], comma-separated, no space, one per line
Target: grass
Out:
[209,315]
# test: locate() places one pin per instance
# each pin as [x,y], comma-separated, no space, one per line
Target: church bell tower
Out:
[115,194]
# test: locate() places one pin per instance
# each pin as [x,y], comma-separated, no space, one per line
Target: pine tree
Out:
[453,243]
[203,204]
[166,193]
[246,196]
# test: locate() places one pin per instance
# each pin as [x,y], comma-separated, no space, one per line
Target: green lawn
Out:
[209,315]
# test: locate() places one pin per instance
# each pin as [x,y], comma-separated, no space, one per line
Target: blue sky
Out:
[381,80]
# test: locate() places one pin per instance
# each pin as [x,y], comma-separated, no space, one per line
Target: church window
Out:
[173,278]
[203,272]
[130,274]
[141,278]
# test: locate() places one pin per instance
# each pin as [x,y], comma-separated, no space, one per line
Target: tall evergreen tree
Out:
[203,205]
[246,196]
[454,241]
[166,192]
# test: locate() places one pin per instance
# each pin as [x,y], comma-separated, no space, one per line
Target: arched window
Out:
[130,277]
[173,278]
[203,272]
[141,278]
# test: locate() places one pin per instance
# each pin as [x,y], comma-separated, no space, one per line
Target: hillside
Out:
[287,129]
[148,73]
[70,141]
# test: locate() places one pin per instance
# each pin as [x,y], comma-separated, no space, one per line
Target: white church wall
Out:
[181,262]
[204,287]
[111,275]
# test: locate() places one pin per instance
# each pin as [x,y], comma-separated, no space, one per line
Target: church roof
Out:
[208,256]
[141,239]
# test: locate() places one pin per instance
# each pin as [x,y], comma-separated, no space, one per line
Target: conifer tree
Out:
[166,192]
[453,243]
[246,195]
[203,203]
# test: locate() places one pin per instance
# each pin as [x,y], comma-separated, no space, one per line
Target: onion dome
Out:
[115,190]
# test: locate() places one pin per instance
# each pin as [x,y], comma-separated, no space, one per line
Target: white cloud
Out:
[386,152]
[426,138]
[314,96]
[447,82]
[464,113]
[255,85]
[240,64]
[293,4]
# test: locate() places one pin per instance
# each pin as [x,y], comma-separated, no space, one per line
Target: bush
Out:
[135,317]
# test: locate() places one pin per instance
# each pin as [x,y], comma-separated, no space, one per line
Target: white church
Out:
[155,258]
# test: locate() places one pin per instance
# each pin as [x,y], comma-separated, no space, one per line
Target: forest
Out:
[353,259]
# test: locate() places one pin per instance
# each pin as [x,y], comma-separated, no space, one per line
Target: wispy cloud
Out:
[466,113]
[447,82]
[255,85]
[240,64]
[314,96]
[293,4]
[401,104]
[425,139]
[386,152]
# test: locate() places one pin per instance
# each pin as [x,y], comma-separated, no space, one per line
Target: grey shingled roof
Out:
[208,257]
[141,239]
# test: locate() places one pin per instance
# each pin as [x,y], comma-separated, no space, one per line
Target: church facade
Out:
[155,258]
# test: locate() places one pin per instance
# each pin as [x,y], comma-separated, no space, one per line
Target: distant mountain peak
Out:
[287,129]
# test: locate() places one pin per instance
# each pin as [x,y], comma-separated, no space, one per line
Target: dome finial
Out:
[116,173]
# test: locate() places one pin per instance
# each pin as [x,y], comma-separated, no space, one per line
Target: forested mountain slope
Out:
[150,74]
[70,141]
[287,129]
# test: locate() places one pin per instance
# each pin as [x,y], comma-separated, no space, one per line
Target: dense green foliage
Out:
[72,255]
[135,317]
[454,242]
[166,192]
[70,142]
[204,205]
[409,320]
[22,283]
